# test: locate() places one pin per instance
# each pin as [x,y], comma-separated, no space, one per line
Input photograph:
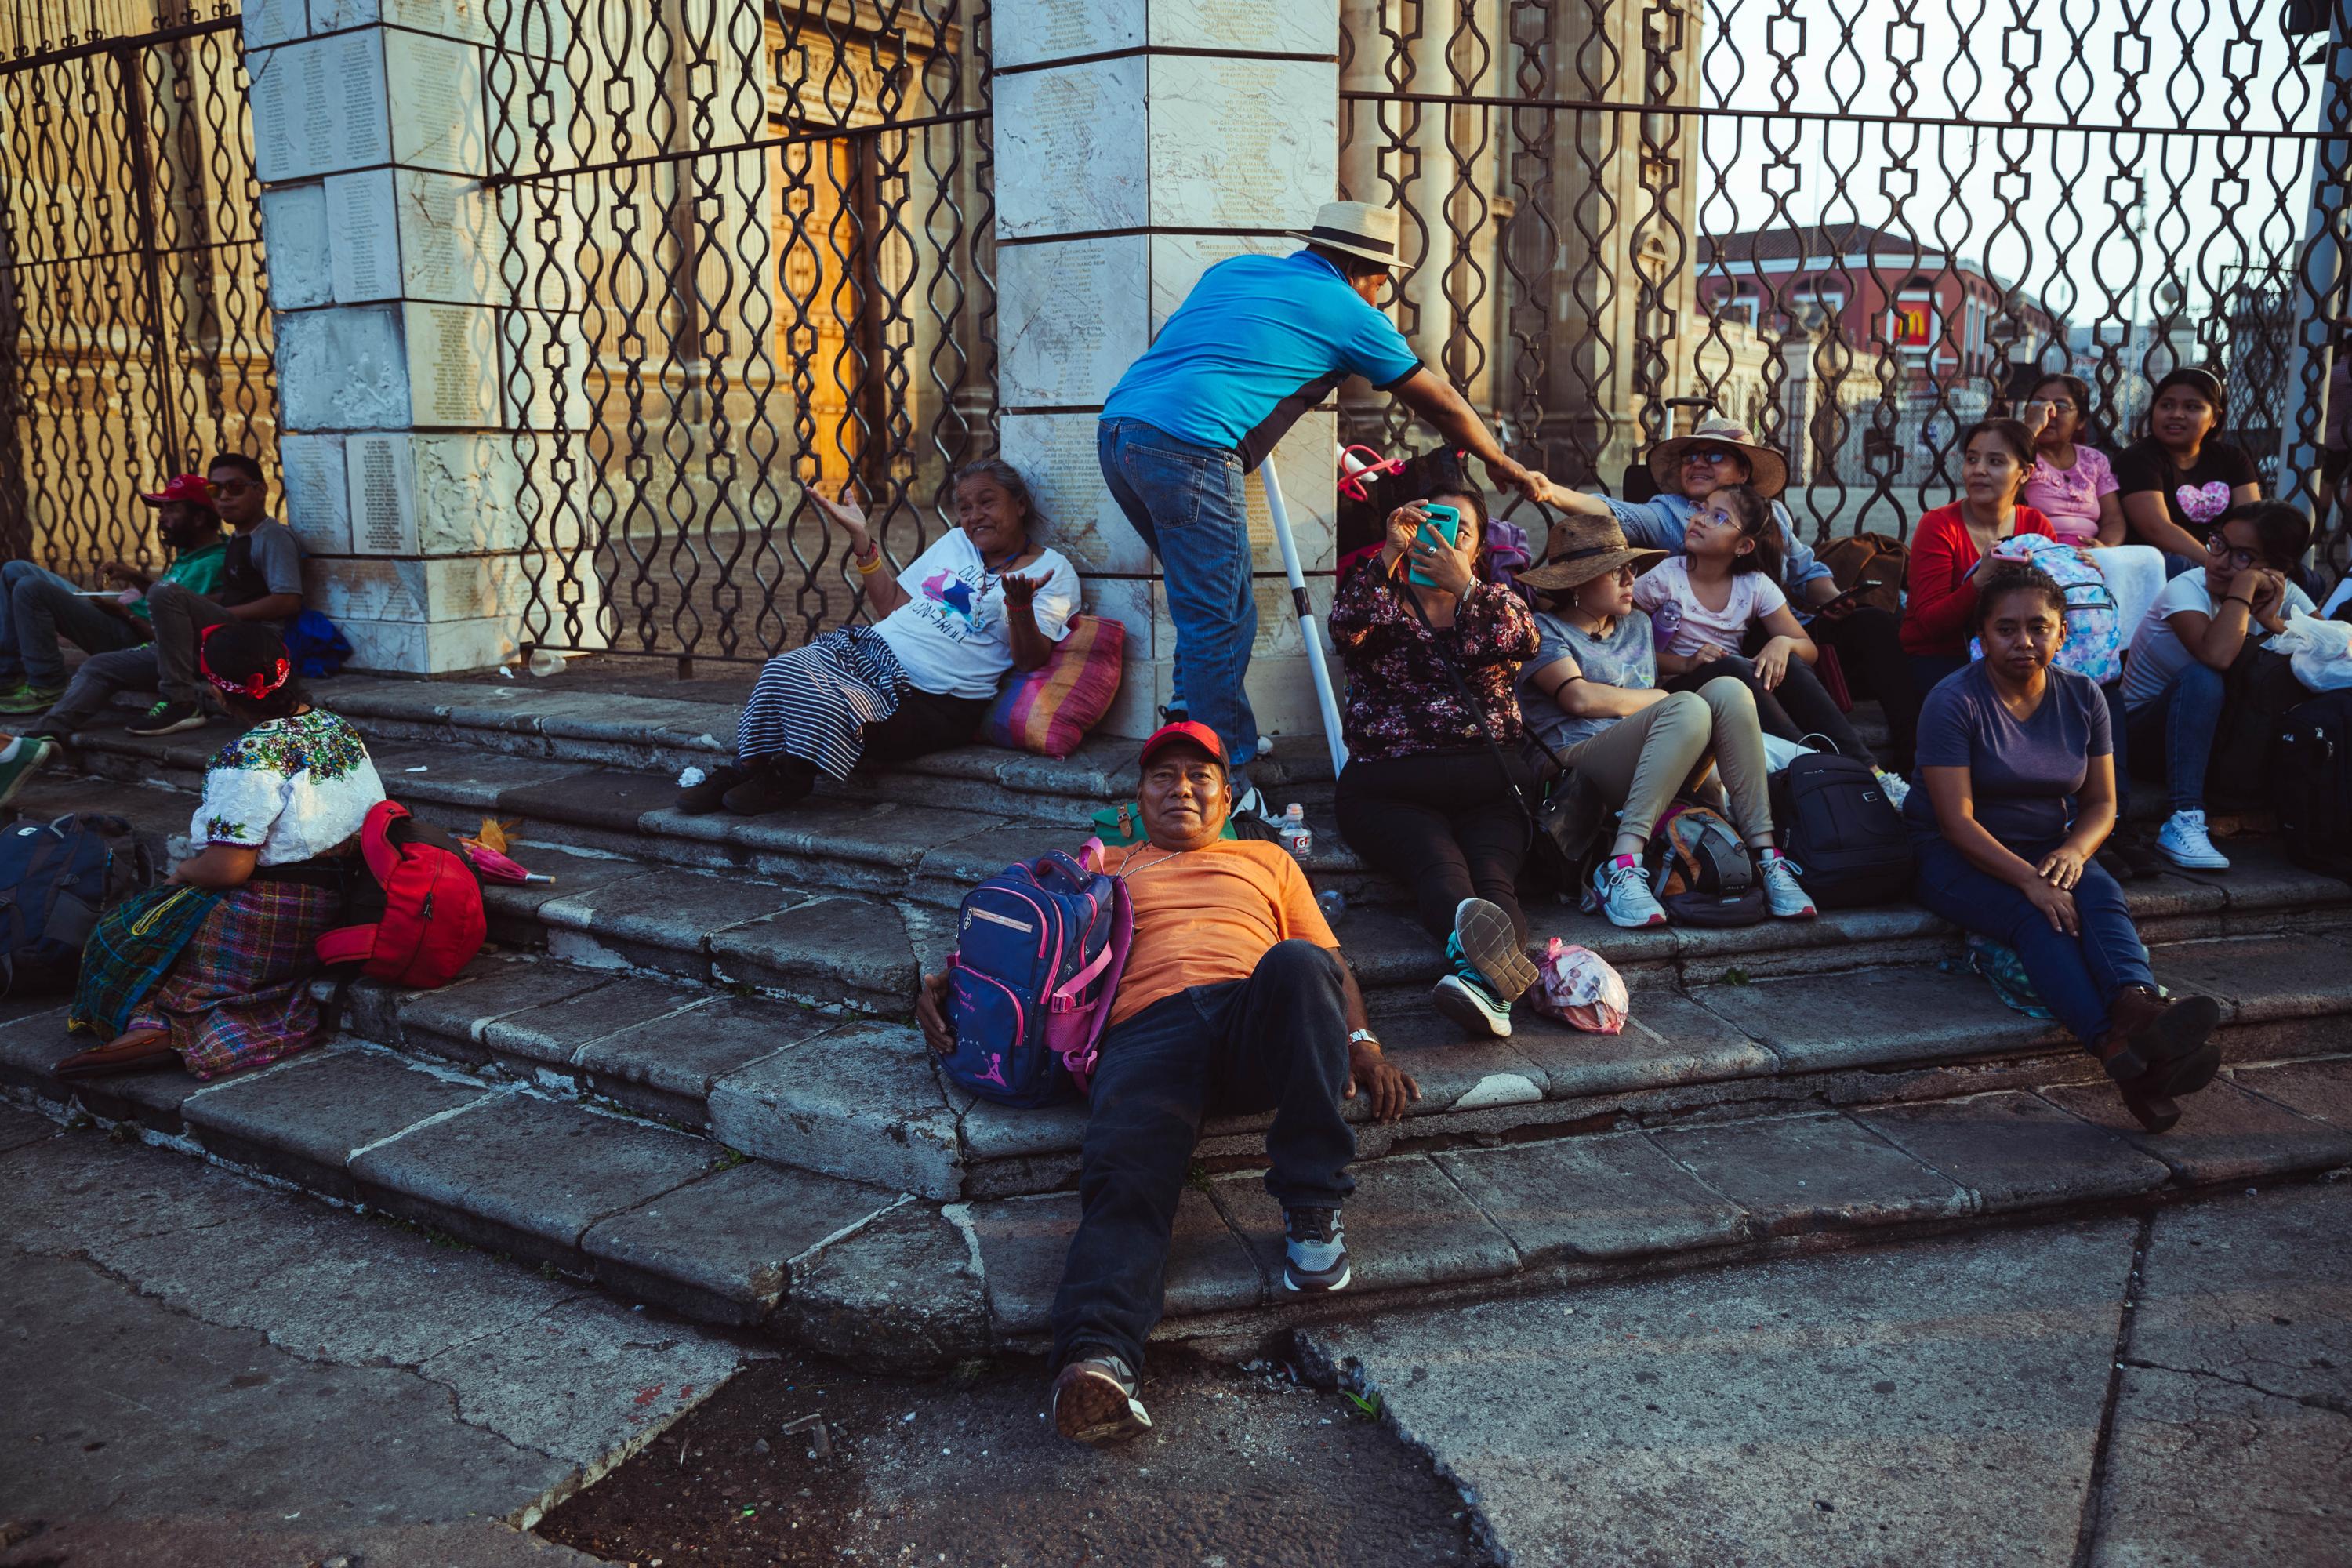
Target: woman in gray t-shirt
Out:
[1591,695]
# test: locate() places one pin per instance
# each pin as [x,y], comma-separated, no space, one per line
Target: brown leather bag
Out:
[1874,562]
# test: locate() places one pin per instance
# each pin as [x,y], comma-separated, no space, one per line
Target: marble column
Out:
[396,340]
[1137,142]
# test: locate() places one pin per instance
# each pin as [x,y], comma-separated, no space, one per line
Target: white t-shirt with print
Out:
[2158,654]
[291,788]
[1683,624]
[950,636]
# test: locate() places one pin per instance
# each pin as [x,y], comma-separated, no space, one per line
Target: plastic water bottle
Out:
[1295,833]
[1332,902]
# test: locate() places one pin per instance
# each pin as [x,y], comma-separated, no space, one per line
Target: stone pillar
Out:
[403,371]
[1137,144]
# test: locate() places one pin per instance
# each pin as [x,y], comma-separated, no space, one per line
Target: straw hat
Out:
[1582,548]
[1360,228]
[1768,471]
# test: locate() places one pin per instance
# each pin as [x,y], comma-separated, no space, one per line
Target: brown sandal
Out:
[146,1051]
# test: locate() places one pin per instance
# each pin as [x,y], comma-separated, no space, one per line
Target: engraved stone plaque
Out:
[1050,123]
[437,83]
[294,228]
[1241,144]
[1261,26]
[1056,453]
[383,487]
[1070,319]
[319,106]
[1035,30]
[318,502]
[449,238]
[365,236]
[453,361]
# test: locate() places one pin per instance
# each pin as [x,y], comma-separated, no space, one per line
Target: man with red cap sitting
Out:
[1235,1000]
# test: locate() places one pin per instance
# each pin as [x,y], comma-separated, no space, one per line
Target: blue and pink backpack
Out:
[1039,950]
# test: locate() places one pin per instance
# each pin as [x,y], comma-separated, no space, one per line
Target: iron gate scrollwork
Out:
[1855,224]
[135,328]
[742,252]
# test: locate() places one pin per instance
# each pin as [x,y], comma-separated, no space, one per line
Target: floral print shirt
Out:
[1400,701]
[291,788]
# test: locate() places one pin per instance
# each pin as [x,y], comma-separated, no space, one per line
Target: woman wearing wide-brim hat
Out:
[1867,639]
[1591,695]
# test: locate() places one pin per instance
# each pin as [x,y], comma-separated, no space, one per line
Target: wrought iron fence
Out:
[1855,223]
[744,252]
[134,333]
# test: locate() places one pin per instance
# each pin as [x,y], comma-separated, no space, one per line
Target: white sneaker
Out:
[2183,841]
[1624,891]
[1894,787]
[1783,894]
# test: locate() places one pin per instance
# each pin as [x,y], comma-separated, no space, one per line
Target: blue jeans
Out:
[2178,724]
[1927,669]
[42,611]
[1187,503]
[2076,976]
[2120,731]
[12,663]
[1276,1041]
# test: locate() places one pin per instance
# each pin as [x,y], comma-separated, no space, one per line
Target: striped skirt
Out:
[815,701]
[238,995]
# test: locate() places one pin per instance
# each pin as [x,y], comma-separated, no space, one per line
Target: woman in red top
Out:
[1940,591]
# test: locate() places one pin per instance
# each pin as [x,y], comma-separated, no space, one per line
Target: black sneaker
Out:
[1314,1251]
[763,790]
[1095,1402]
[701,799]
[168,718]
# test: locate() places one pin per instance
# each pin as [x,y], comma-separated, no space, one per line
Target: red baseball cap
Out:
[188,488]
[1200,735]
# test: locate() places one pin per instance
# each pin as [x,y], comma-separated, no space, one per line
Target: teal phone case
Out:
[1451,520]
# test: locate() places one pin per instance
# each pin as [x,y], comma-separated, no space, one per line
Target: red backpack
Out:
[431,922]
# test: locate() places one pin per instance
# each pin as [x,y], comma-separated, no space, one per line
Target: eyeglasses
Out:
[2219,549]
[2060,405]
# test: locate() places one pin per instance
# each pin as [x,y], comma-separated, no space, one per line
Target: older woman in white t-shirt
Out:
[983,600]
[1704,602]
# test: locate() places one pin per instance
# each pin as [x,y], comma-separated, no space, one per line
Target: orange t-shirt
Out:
[1208,915]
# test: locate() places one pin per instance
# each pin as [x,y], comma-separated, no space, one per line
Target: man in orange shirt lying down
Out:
[1235,999]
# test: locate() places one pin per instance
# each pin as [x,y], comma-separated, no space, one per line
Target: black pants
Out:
[1800,706]
[1869,644]
[925,723]
[1445,824]
[1276,1041]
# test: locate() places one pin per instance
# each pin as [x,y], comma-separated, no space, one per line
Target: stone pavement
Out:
[204,1372]
[2117,1393]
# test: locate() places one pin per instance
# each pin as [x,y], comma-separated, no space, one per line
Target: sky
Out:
[2091,220]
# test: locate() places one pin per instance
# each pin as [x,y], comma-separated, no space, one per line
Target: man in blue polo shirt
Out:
[1258,342]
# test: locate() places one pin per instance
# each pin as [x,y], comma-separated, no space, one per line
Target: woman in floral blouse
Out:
[282,805]
[1425,797]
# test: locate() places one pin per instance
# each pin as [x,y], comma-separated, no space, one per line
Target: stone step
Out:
[851,1268]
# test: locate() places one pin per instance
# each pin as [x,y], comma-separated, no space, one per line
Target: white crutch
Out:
[1324,698]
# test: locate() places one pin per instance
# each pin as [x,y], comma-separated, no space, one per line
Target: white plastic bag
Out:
[1779,753]
[2321,651]
[1577,986]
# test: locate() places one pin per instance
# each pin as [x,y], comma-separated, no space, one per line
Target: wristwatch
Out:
[1363,1036]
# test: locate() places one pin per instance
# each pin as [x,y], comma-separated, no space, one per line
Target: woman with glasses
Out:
[2175,682]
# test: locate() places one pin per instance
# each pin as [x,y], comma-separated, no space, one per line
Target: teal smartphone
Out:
[1443,524]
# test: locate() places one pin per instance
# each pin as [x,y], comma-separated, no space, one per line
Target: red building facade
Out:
[1942,318]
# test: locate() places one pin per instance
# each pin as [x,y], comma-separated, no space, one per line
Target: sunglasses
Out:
[227,486]
[1709,455]
[2219,549]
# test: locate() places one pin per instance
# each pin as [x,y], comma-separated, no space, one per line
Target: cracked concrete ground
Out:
[202,1370]
[2172,1391]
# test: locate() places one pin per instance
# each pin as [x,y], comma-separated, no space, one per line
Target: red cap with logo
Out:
[1200,735]
[188,488]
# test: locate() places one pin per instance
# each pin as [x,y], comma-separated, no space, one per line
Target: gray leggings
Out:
[1644,759]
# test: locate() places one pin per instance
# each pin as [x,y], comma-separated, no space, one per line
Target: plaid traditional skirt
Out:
[238,995]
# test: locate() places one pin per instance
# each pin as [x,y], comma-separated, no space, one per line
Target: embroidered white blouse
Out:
[290,787]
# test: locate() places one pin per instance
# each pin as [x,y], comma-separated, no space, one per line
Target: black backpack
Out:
[56,879]
[2311,783]
[1844,835]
